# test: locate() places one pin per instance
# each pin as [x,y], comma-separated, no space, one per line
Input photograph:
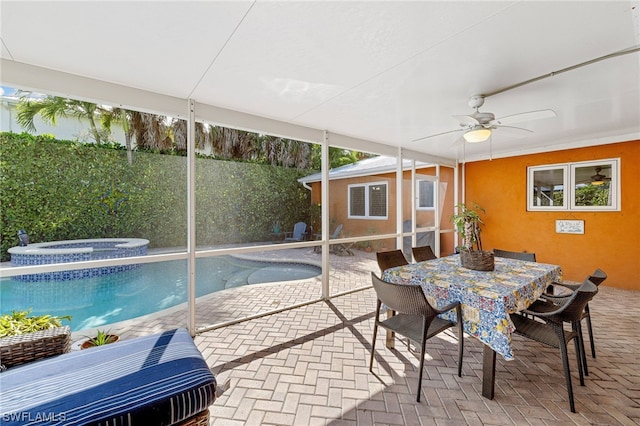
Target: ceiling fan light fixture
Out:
[477,134]
[598,179]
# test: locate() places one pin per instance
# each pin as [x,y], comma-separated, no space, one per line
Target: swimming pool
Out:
[102,300]
[76,251]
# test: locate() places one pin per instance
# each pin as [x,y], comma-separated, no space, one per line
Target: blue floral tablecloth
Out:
[487,297]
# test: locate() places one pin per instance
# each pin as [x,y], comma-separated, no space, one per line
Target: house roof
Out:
[373,74]
[366,167]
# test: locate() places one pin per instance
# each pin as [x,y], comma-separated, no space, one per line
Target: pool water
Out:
[98,301]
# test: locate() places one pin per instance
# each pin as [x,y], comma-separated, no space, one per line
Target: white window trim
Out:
[614,186]
[569,186]
[565,185]
[366,186]
[434,181]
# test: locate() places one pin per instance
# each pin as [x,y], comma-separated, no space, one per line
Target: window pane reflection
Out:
[593,185]
[548,187]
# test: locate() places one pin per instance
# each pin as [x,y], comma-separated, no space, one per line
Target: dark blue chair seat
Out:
[160,379]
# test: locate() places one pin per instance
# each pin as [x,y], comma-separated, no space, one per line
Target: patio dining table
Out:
[487,298]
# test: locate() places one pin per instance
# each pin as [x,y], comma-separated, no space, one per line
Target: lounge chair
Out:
[298,233]
[158,379]
[341,249]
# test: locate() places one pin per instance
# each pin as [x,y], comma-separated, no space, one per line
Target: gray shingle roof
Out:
[368,166]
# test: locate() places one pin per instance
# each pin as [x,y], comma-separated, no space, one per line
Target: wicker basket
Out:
[23,348]
[477,260]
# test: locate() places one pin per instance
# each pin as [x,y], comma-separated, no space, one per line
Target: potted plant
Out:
[101,338]
[25,338]
[467,222]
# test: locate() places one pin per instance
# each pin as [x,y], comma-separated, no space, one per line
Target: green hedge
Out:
[62,190]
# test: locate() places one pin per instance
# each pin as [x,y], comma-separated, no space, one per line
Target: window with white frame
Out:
[425,191]
[586,186]
[368,201]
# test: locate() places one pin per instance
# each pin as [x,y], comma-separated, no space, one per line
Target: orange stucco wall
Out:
[338,205]
[611,240]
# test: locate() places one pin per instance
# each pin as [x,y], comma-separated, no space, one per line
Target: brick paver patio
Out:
[309,365]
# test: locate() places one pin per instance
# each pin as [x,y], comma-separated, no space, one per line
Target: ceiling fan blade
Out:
[437,134]
[466,120]
[511,130]
[525,116]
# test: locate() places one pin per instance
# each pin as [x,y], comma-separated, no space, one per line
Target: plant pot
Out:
[477,260]
[111,338]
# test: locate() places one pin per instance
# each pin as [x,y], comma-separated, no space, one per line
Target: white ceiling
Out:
[386,72]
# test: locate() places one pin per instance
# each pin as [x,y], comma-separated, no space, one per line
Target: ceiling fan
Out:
[599,179]
[478,126]
[602,176]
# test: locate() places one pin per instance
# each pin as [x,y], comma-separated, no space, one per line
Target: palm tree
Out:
[123,117]
[233,143]
[157,133]
[52,107]
[298,154]
[150,131]
[337,157]
[178,128]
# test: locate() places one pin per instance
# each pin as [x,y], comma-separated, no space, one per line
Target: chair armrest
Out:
[455,305]
[560,307]
[567,285]
[540,314]
[449,307]
[556,299]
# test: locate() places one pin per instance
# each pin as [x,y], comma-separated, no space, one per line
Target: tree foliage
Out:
[52,107]
[592,195]
[157,133]
[62,190]
[59,190]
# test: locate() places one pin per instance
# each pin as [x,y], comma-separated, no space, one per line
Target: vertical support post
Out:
[456,199]
[324,212]
[400,238]
[438,202]
[414,207]
[463,184]
[191,218]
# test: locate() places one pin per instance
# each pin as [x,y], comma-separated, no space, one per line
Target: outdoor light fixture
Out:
[598,179]
[477,134]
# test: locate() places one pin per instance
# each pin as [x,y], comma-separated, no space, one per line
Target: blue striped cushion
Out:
[160,379]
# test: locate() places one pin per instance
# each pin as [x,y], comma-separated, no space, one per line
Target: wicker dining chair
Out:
[597,277]
[415,319]
[551,332]
[520,255]
[390,259]
[423,253]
